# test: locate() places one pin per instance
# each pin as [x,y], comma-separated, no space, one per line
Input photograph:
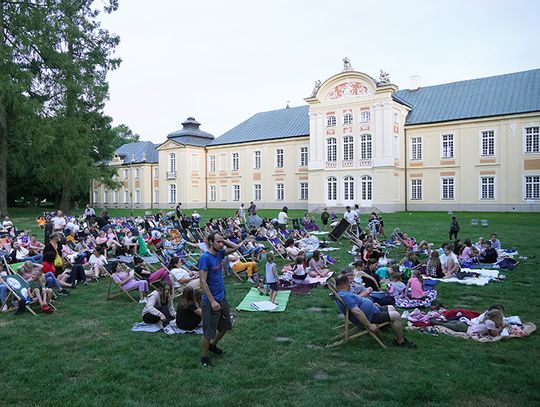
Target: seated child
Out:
[361,275]
[36,289]
[298,269]
[396,287]
[415,286]
[188,312]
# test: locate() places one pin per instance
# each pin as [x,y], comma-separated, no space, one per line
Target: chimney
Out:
[414,82]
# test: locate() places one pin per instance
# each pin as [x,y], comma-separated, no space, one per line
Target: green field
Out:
[85,355]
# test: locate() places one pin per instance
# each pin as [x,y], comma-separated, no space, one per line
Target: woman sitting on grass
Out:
[159,306]
[415,286]
[188,313]
[317,265]
[127,281]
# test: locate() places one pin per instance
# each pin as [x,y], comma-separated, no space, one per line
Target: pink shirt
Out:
[416,288]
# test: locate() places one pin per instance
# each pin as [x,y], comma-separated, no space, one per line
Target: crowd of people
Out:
[127,250]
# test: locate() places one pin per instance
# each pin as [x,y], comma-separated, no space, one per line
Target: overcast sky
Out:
[223,61]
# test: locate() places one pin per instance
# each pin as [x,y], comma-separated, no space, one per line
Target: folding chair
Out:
[474,222]
[484,223]
[348,333]
[228,270]
[122,291]
[18,289]
[274,243]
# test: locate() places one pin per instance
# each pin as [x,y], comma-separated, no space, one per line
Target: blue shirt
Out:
[212,264]
[366,306]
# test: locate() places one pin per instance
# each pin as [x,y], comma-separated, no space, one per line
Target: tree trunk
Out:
[3,124]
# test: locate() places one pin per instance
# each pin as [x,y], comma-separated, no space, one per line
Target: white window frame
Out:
[212,163]
[417,191]
[481,189]
[235,160]
[257,192]
[453,184]
[365,116]
[535,140]
[236,192]
[535,184]
[212,193]
[331,188]
[156,196]
[126,196]
[416,148]
[366,147]
[347,118]
[366,188]
[105,197]
[115,197]
[257,159]
[348,188]
[331,149]
[280,191]
[96,196]
[126,174]
[348,148]
[280,158]
[172,162]
[447,143]
[304,156]
[303,191]
[485,137]
[156,172]
[331,121]
[396,118]
[137,196]
[172,193]
[137,173]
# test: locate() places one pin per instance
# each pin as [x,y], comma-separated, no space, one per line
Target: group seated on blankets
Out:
[488,326]
[316,267]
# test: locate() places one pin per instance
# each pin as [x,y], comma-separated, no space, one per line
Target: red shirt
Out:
[48,267]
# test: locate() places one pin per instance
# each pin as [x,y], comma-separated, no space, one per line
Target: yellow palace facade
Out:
[472,145]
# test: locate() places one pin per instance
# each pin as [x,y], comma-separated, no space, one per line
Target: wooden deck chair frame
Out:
[275,249]
[139,277]
[350,333]
[111,282]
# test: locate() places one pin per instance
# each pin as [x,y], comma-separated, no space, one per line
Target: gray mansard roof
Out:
[276,124]
[499,95]
[142,151]
[190,134]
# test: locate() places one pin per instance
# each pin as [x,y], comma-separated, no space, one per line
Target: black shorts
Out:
[213,321]
[273,286]
[381,317]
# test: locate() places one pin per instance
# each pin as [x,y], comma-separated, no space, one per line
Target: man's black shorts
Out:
[213,321]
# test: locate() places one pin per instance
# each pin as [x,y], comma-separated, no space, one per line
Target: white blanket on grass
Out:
[483,279]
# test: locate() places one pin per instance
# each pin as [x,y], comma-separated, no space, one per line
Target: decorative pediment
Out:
[346,90]
[169,145]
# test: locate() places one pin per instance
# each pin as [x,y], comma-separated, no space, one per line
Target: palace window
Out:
[236,192]
[257,194]
[332,189]
[257,160]
[367,188]
[279,158]
[532,187]
[331,121]
[532,140]
[235,162]
[303,191]
[416,148]
[487,187]
[172,193]
[212,193]
[365,116]
[416,189]
[304,157]
[280,192]
[212,163]
[447,146]
[488,143]
[447,188]
[365,147]
[347,118]
[348,148]
[348,188]
[331,149]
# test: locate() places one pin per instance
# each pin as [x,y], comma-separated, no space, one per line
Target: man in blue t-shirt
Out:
[216,314]
[363,312]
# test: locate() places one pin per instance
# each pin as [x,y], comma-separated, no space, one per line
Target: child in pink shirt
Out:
[416,286]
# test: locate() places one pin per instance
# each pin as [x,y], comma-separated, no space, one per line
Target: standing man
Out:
[351,216]
[324,218]
[216,314]
[179,210]
[283,218]
[357,211]
[242,214]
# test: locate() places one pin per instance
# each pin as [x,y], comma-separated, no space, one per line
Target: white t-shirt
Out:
[101,260]
[179,273]
[58,222]
[282,218]
[350,216]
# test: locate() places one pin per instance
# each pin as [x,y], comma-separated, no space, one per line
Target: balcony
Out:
[331,164]
[347,164]
[171,175]
[364,163]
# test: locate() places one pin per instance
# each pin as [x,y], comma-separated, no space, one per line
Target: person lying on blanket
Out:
[490,322]
[365,313]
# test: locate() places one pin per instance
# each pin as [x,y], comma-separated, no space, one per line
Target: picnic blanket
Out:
[253,296]
[485,276]
[328,249]
[410,303]
[522,332]
[319,232]
[170,329]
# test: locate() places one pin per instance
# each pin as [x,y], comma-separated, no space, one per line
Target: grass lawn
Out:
[85,355]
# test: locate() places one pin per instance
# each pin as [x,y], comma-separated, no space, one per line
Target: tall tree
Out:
[123,135]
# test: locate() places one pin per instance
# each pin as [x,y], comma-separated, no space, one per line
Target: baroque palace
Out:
[472,145]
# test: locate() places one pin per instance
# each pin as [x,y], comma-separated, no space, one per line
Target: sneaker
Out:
[250,280]
[20,311]
[214,349]
[206,362]
[405,344]
[143,301]
[63,292]
[5,308]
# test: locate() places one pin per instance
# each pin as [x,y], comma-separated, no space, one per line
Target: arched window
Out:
[172,162]
[347,118]
[348,188]
[331,121]
[332,188]
[331,149]
[365,147]
[365,116]
[172,193]
[366,188]
[348,148]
